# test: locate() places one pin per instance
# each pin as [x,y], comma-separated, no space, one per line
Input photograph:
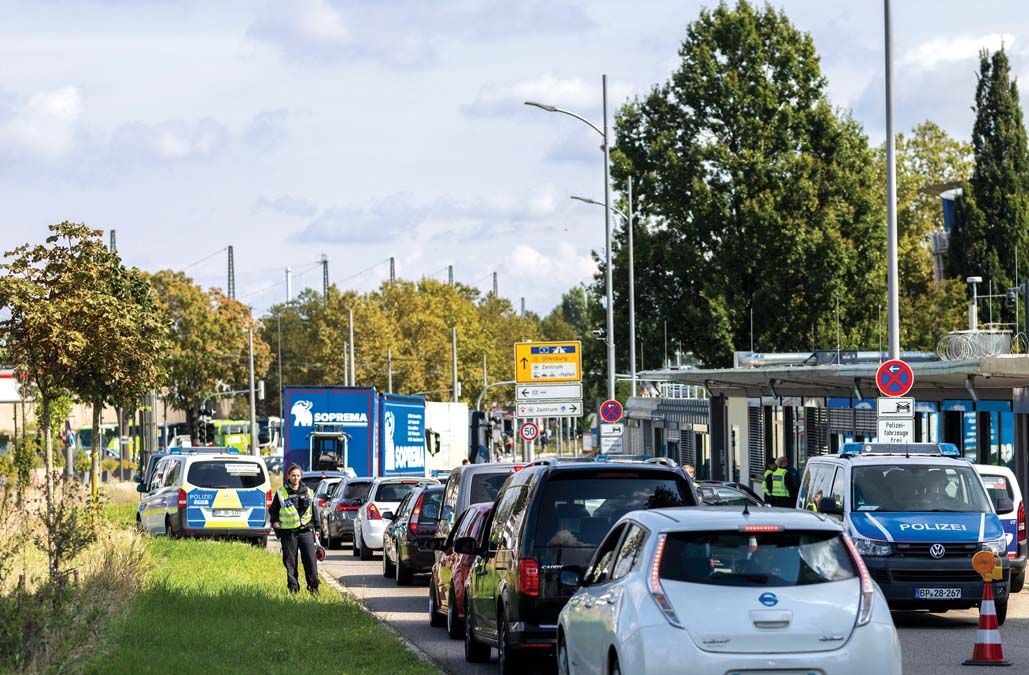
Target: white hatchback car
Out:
[384,496]
[726,591]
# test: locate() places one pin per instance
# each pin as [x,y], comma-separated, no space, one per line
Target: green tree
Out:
[758,194]
[44,288]
[992,215]
[207,342]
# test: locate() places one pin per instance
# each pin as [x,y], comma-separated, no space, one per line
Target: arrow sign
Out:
[549,392]
[894,378]
[549,409]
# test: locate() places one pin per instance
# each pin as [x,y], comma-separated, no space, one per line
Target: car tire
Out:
[474,651]
[436,620]
[364,553]
[353,544]
[1002,611]
[1018,582]
[328,538]
[260,542]
[139,525]
[613,668]
[169,531]
[562,656]
[403,573]
[455,626]
[388,569]
[509,659]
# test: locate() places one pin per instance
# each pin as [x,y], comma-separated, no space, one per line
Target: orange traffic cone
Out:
[988,650]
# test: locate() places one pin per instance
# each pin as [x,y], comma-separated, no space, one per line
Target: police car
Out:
[1006,494]
[917,514]
[205,493]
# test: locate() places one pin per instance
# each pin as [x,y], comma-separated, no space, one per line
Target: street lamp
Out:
[607,226]
[973,309]
[632,280]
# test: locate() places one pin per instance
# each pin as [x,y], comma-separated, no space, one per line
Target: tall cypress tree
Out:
[992,214]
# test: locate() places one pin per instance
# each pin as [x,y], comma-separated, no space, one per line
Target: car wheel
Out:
[388,568]
[455,627]
[1018,582]
[353,543]
[139,525]
[562,656]
[508,658]
[435,618]
[169,531]
[405,577]
[474,651]
[613,668]
[1002,611]
[364,553]
[260,542]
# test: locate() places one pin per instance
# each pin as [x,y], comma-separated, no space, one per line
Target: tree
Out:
[44,286]
[207,343]
[757,193]
[992,215]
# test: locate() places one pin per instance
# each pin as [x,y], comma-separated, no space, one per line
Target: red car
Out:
[446,588]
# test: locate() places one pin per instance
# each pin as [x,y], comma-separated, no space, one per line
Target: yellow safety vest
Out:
[289,517]
[779,483]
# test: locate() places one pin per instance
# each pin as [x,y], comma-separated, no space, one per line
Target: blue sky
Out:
[370,129]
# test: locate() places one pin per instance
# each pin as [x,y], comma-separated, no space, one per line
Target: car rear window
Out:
[393,492]
[226,475]
[578,510]
[486,486]
[355,490]
[756,559]
[312,482]
[430,507]
[997,487]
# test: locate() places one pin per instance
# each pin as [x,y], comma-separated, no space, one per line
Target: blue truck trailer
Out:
[328,428]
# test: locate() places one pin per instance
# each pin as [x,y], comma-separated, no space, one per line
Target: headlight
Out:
[871,547]
[996,546]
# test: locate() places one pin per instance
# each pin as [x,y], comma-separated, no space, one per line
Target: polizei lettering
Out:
[952,527]
[341,417]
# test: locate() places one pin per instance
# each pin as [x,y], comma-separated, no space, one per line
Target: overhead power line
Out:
[206,258]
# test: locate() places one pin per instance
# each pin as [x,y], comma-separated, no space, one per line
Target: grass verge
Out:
[218,607]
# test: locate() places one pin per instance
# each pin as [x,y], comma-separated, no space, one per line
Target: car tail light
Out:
[529,577]
[657,591]
[412,523]
[760,529]
[518,467]
[341,507]
[373,512]
[867,588]
[1021,523]
[182,498]
[268,499]
[321,503]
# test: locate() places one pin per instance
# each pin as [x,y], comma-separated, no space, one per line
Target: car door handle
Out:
[609,598]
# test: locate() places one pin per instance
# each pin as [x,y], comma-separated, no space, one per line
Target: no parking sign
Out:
[894,378]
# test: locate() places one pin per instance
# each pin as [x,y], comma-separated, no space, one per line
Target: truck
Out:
[446,435]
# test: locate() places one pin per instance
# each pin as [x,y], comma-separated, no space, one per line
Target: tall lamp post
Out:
[602,130]
[632,280]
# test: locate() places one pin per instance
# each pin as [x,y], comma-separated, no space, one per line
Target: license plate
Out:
[228,513]
[937,593]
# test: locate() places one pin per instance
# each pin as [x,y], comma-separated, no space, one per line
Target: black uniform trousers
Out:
[299,541]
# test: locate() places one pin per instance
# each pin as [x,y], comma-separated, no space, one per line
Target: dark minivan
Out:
[549,516]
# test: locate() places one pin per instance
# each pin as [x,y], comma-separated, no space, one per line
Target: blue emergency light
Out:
[939,449]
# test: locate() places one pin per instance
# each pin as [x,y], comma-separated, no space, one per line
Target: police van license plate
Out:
[937,593]
[228,513]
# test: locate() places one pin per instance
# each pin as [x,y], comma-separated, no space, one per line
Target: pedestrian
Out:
[766,482]
[291,515]
[781,484]
[690,470]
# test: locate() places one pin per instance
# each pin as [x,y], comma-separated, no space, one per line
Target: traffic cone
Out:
[988,650]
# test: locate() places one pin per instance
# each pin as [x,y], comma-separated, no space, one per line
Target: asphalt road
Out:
[933,644]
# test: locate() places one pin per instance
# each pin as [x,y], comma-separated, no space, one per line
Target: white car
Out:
[1004,491]
[726,591]
[384,496]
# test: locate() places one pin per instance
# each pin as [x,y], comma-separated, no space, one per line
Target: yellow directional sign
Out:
[548,362]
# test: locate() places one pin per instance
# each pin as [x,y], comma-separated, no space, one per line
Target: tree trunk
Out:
[94,464]
[48,458]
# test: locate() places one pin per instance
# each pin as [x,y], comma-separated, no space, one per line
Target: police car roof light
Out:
[907,449]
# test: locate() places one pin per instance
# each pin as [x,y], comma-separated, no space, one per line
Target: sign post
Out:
[548,384]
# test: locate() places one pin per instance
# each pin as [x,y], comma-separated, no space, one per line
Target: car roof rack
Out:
[850,450]
[666,461]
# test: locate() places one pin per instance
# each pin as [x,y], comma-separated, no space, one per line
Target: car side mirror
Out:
[137,478]
[388,515]
[1003,504]
[466,546]
[141,487]
[571,575]
[829,506]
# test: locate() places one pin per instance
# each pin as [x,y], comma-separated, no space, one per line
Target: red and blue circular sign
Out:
[611,411]
[894,378]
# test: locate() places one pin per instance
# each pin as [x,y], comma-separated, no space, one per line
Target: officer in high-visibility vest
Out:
[291,514]
[780,485]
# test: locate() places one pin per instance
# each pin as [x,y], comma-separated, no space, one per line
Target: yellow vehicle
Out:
[232,434]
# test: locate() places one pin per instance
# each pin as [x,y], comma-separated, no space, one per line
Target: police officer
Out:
[781,484]
[291,514]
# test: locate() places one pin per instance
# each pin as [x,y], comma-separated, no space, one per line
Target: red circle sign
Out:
[529,431]
[894,378]
[611,411]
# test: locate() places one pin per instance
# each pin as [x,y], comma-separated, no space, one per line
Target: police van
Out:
[917,514]
[206,492]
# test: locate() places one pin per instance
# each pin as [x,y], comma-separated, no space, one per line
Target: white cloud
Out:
[957,48]
[172,141]
[575,94]
[287,205]
[565,267]
[45,125]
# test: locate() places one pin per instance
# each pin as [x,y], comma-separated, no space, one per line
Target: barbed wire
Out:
[972,345]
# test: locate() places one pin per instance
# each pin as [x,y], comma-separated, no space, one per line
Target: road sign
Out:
[612,429]
[895,408]
[611,411]
[611,445]
[896,431]
[549,409]
[548,392]
[894,378]
[529,431]
[537,362]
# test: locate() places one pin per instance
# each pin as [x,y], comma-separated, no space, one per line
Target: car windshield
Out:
[918,487]
[486,486]
[356,490]
[756,559]
[226,475]
[578,510]
[393,492]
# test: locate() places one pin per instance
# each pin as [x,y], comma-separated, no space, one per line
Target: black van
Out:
[546,517]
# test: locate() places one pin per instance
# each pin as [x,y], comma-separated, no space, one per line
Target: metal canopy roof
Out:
[993,377]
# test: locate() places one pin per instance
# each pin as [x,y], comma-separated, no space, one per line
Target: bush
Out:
[110,465]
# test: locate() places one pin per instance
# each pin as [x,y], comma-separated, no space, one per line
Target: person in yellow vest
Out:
[781,484]
[766,483]
[291,515]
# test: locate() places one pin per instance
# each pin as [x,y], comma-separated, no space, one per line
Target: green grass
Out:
[121,514]
[221,607]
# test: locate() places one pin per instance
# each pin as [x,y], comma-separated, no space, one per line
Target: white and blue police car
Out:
[917,514]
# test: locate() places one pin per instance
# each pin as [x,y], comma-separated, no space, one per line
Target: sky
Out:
[370,129]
